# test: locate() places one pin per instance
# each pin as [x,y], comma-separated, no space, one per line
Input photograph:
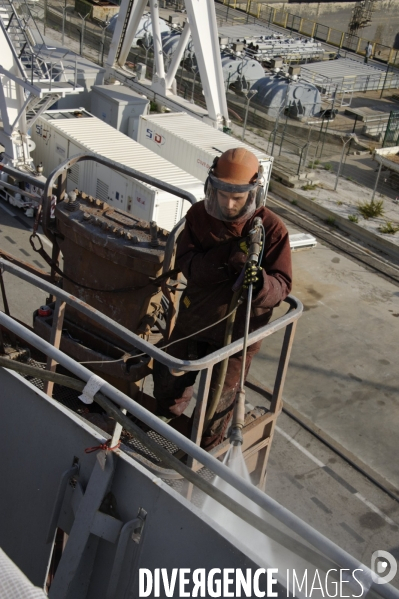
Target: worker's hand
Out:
[253,275]
[237,258]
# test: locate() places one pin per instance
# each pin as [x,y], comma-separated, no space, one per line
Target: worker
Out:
[367,52]
[211,253]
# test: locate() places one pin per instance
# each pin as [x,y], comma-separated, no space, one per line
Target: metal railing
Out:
[295,524]
[204,365]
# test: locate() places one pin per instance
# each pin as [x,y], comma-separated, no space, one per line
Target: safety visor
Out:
[217,210]
[233,187]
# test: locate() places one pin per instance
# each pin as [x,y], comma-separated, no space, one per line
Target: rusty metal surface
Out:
[109,259]
[113,362]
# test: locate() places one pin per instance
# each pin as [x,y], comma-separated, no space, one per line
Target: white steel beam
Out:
[203,27]
[177,56]
[116,37]
[204,33]
[157,40]
[131,29]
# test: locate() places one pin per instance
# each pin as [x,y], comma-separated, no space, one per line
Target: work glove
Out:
[253,274]
[238,256]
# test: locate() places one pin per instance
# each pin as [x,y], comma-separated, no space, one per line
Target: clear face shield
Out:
[230,202]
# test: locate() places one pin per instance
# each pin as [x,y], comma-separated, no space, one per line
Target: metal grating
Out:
[102,190]
[391,138]
[73,174]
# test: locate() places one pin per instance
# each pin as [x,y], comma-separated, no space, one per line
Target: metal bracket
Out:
[131,530]
[81,548]
[65,477]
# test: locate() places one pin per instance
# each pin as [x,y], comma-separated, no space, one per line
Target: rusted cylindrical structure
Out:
[109,259]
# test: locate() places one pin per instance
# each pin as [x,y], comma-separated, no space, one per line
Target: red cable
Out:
[104,446]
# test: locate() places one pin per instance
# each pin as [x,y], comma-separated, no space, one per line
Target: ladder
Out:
[31,66]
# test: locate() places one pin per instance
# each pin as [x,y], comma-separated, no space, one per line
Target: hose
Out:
[223,367]
[255,250]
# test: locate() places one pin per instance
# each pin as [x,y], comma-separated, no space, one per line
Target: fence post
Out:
[341,43]
[376,182]
[358,45]
[313,28]
[328,34]
[391,53]
[300,25]
[385,80]
[286,20]
[259,9]
[45,17]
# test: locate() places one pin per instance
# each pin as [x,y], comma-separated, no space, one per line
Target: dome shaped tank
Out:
[301,98]
[237,68]
[170,39]
[144,27]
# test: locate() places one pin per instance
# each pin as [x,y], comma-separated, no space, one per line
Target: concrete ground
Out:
[312,482]
[342,374]
[352,194]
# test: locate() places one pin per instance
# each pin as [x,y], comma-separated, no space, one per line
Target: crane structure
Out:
[30,81]
[202,26]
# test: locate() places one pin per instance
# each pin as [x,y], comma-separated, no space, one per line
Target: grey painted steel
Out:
[277,90]
[66,476]
[126,534]
[108,528]
[317,540]
[50,435]
[65,584]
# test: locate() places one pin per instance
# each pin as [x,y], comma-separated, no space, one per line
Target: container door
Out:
[140,200]
[118,190]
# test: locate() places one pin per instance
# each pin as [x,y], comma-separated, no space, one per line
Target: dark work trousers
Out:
[173,393]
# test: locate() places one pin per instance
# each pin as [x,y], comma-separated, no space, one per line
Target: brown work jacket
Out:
[206,251]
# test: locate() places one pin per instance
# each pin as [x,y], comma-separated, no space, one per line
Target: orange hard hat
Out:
[237,166]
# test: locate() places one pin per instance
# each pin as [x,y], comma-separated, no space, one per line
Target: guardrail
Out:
[333,554]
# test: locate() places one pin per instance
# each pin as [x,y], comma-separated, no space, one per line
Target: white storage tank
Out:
[190,144]
[60,135]
[119,106]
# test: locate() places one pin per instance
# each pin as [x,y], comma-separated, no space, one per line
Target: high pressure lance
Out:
[255,236]
[254,252]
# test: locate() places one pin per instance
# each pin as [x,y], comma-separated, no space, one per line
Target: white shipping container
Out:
[60,135]
[191,144]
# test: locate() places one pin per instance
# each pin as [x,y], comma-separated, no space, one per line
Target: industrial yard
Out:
[333,459]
